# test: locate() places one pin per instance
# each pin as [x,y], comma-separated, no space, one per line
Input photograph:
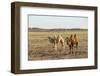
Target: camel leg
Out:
[76,44]
[55,47]
[70,48]
[63,46]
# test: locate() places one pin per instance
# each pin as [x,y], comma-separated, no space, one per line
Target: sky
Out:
[51,22]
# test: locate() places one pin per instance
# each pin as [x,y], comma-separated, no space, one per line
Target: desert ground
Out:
[39,47]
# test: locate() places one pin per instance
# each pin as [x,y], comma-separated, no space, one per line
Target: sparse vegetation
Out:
[39,47]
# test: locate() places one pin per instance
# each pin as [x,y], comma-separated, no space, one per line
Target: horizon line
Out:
[57,28]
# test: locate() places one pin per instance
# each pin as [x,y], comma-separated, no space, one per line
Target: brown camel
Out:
[71,41]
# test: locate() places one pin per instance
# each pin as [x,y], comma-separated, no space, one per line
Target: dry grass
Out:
[39,47]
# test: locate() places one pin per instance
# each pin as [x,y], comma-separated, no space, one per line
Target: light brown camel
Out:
[56,40]
[60,40]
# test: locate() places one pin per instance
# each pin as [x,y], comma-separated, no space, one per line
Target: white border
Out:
[25,64]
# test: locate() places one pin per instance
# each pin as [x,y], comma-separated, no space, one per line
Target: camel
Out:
[71,41]
[76,40]
[56,40]
[60,40]
[53,41]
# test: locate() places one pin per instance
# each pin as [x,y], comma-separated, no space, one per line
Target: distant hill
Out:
[49,30]
[37,30]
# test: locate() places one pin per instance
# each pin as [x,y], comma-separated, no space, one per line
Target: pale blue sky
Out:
[50,22]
